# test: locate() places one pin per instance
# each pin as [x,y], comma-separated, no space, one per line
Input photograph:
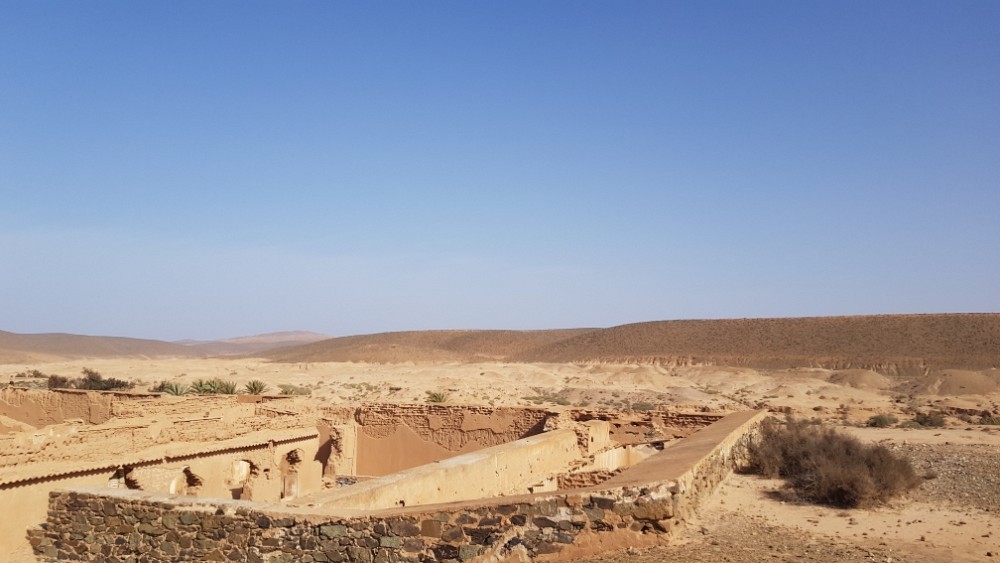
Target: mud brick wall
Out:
[640,506]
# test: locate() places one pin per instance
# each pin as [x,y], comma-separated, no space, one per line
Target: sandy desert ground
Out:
[953,516]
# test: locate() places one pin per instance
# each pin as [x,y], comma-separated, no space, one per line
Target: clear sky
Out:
[212,169]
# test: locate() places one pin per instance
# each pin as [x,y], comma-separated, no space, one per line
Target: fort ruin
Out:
[112,476]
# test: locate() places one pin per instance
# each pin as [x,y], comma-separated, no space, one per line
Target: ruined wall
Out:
[636,507]
[38,408]
[390,438]
[210,474]
[507,469]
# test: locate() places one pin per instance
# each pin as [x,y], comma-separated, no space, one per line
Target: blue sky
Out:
[212,169]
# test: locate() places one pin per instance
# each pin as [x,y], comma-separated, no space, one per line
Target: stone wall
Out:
[210,472]
[639,506]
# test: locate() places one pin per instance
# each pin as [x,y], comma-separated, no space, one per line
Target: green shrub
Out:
[643,406]
[201,386]
[170,388]
[989,419]
[828,467]
[255,387]
[882,421]
[224,387]
[436,396]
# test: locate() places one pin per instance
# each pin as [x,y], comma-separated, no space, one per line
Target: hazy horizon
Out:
[205,171]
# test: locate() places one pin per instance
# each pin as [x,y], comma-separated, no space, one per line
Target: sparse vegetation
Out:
[170,388]
[929,419]
[827,467]
[255,387]
[214,386]
[882,421]
[289,389]
[547,396]
[436,396]
[91,380]
[224,387]
[643,406]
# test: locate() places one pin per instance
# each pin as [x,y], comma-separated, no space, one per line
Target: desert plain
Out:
[839,371]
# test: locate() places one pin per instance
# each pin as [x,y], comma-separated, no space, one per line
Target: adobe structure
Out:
[149,477]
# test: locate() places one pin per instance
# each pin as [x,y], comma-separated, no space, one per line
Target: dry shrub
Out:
[827,467]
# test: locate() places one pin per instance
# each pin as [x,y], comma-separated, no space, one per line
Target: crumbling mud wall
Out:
[380,439]
[38,408]
[507,469]
[642,505]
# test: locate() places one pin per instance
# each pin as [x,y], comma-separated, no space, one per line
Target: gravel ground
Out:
[741,539]
[964,476]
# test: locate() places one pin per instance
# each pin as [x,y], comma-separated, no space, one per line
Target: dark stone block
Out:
[431,528]
[604,503]
[519,520]
[465,519]
[543,548]
[480,536]
[543,522]
[442,552]
[405,528]
[413,545]
[565,538]
[453,534]
[489,521]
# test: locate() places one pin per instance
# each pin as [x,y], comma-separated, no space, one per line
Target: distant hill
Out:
[246,345]
[19,348]
[424,346]
[888,344]
[884,343]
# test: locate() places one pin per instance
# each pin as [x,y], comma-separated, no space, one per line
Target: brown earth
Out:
[25,348]
[886,344]
[883,343]
[424,346]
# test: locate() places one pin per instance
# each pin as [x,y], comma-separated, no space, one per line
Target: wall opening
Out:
[242,478]
[192,483]
[290,474]
[124,478]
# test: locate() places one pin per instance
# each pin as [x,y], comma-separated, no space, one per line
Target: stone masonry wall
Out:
[118,526]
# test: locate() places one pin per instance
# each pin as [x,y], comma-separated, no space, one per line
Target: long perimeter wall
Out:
[640,506]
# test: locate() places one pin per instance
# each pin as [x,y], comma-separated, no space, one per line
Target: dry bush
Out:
[882,421]
[827,467]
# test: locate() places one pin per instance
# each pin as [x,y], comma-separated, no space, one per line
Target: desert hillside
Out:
[43,347]
[425,346]
[884,343]
[890,344]
[246,345]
